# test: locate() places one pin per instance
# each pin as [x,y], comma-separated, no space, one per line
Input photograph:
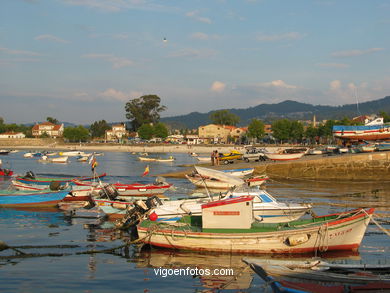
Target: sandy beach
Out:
[41,144]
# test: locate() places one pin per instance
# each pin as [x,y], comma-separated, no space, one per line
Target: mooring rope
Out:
[378,225]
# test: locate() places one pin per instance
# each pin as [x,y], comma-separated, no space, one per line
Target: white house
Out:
[117,131]
[12,134]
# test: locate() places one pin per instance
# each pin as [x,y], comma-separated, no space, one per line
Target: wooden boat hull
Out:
[47,181]
[240,172]
[129,190]
[284,156]
[73,195]
[208,183]
[144,159]
[6,173]
[33,199]
[204,159]
[343,234]
[375,132]
[316,270]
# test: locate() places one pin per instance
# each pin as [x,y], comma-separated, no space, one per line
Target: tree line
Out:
[143,114]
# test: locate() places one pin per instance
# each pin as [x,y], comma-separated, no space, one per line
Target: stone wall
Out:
[360,167]
[26,142]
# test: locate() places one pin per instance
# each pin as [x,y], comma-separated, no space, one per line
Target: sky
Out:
[81,61]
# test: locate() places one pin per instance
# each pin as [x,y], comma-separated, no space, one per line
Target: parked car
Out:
[254,154]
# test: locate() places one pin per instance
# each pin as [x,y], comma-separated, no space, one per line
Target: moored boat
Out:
[227,226]
[147,159]
[317,282]
[72,153]
[170,159]
[47,180]
[283,156]
[130,190]
[265,207]
[76,193]
[31,199]
[58,160]
[203,159]
[6,172]
[240,172]
[319,270]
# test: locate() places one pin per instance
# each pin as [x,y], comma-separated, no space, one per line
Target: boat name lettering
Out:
[226,213]
[339,233]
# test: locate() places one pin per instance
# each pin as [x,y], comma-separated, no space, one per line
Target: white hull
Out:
[284,157]
[204,159]
[343,234]
[147,159]
[240,172]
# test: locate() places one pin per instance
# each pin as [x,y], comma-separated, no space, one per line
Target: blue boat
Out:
[383,146]
[28,199]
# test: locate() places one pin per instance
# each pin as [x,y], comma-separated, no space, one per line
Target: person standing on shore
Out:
[216,157]
[212,158]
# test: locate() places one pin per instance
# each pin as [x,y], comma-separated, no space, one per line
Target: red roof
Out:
[10,133]
[55,126]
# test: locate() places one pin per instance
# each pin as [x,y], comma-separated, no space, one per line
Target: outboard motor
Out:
[29,175]
[160,181]
[109,191]
[55,185]
[134,216]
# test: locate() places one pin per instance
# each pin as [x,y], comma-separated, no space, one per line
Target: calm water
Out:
[56,242]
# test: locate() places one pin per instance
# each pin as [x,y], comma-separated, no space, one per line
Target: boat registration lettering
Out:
[339,233]
[226,213]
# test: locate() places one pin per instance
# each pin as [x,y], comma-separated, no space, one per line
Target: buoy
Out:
[153,216]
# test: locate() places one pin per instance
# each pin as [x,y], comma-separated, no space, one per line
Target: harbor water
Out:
[52,251]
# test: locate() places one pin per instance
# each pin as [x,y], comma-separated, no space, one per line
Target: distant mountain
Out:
[286,109]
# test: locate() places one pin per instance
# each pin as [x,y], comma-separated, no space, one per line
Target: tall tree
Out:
[224,117]
[296,131]
[281,129]
[76,134]
[98,128]
[256,129]
[160,130]
[311,133]
[52,120]
[143,110]
[386,117]
[146,131]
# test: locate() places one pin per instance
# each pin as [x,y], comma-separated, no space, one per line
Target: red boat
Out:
[135,189]
[6,172]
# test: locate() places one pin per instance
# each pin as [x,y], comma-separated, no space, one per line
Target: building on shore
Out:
[116,133]
[214,133]
[193,139]
[48,128]
[11,134]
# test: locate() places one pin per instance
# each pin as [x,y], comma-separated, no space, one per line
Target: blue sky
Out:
[82,60]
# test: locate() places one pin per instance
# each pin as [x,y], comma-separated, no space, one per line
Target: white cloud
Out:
[278,84]
[18,52]
[193,53]
[113,94]
[204,36]
[333,65]
[352,53]
[218,86]
[279,37]
[50,38]
[119,5]
[117,62]
[195,15]
[335,85]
